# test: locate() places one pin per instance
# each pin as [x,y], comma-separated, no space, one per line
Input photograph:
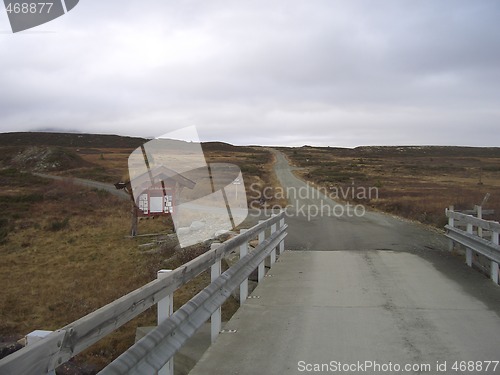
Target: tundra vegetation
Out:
[65,249]
[417,183]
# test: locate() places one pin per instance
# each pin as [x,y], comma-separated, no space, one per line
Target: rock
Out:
[232,259]
[7,348]
[254,243]
[197,225]
[42,159]
[10,344]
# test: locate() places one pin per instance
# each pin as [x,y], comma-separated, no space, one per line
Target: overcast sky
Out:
[269,72]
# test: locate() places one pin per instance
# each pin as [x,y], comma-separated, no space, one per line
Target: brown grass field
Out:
[65,249]
[417,183]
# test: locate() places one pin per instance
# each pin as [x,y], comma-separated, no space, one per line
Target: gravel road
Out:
[347,231]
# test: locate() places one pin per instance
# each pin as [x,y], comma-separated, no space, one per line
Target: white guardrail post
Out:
[476,243]
[281,248]
[36,336]
[468,250]
[165,310]
[273,253]
[451,223]
[479,213]
[262,267]
[216,318]
[244,284]
[494,265]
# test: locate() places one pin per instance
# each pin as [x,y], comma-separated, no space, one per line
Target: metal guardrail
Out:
[477,235]
[154,351]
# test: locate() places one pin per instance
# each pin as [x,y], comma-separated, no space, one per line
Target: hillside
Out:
[69,140]
[402,151]
[225,147]
[94,141]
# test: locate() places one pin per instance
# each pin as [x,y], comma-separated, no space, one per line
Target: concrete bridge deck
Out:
[344,307]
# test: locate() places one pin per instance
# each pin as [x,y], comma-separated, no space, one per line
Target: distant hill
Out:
[429,151]
[69,140]
[95,141]
[221,147]
[402,151]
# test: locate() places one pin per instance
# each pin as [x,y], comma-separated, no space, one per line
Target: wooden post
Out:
[133,211]
[262,267]
[216,318]
[134,220]
[244,284]
[165,310]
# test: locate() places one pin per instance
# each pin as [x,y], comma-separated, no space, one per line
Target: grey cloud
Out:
[281,72]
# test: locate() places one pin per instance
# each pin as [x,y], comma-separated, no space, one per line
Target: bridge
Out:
[357,294]
[350,293]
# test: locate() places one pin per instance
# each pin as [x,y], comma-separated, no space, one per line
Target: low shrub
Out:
[58,225]
[4,229]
